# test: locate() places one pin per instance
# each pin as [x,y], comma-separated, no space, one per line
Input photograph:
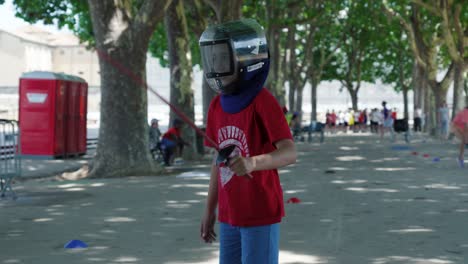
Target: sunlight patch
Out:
[120,219]
[348,148]
[338,169]
[69,185]
[364,190]
[77,189]
[395,169]
[295,191]
[179,206]
[409,260]
[12,261]
[192,185]
[192,174]
[39,220]
[348,182]
[350,158]
[289,257]
[97,259]
[442,186]
[126,259]
[411,229]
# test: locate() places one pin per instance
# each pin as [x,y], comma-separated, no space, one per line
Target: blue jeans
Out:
[248,245]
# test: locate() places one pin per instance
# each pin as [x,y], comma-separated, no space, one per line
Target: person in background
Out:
[394,114]
[295,126]
[374,120]
[417,120]
[444,119]
[459,127]
[154,136]
[333,118]
[172,142]
[363,120]
[387,121]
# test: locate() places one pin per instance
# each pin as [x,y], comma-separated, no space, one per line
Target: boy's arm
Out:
[284,154]
[209,219]
[212,199]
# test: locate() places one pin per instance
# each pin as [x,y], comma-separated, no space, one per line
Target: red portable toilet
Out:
[42,107]
[71,115]
[82,111]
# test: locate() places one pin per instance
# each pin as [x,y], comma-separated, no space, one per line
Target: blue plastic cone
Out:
[436,159]
[75,244]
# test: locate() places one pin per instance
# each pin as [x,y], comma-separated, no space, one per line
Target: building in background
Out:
[31,48]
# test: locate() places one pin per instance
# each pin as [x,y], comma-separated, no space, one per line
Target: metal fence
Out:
[10,155]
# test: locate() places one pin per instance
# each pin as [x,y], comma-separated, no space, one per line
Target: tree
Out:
[355,57]
[326,36]
[396,61]
[434,28]
[225,10]
[198,15]
[120,32]
[180,69]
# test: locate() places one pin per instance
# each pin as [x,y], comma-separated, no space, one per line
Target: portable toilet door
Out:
[72,115]
[83,111]
[41,114]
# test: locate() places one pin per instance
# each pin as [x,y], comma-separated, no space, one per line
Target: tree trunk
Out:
[274,77]
[353,93]
[122,46]
[429,110]
[299,94]
[230,10]
[225,11]
[465,86]
[458,98]
[123,134]
[313,98]
[181,70]
[208,95]
[405,102]
[292,95]
[419,87]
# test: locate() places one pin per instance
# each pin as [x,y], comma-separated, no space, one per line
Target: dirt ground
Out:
[362,201]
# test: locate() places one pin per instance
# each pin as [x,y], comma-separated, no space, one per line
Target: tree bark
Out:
[122,45]
[208,95]
[465,86]
[313,98]
[181,71]
[354,98]
[458,89]
[225,11]
[405,102]
[299,94]
[274,77]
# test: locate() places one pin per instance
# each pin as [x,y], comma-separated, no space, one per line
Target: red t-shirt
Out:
[254,130]
[461,118]
[171,133]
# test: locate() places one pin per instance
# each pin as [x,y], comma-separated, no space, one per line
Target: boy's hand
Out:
[242,166]
[207,228]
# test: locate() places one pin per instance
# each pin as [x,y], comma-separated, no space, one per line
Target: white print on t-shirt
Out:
[227,136]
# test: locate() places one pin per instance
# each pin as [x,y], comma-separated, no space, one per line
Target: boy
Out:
[245,115]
